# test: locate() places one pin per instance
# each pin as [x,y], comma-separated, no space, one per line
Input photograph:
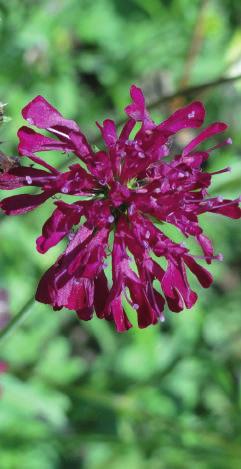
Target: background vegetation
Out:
[79,395]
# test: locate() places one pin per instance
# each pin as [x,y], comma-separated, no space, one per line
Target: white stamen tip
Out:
[131,210]
[111,219]
[191,115]
[71,236]
[135,306]
[29,180]
[62,134]
[142,191]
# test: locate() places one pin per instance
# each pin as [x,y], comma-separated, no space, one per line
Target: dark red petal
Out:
[204,277]
[46,290]
[85,314]
[77,294]
[22,203]
[230,211]
[101,294]
[206,246]
[146,315]
[23,176]
[119,316]
[57,226]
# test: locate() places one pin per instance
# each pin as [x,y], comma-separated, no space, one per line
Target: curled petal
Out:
[31,142]
[58,226]
[40,113]
[137,110]
[176,288]
[146,314]
[58,287]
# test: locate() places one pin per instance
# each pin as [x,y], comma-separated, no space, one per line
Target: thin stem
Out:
[195,43]
[17,319]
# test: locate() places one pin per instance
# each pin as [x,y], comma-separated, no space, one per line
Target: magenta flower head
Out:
[124,196]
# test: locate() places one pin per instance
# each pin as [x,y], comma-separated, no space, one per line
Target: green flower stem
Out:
[17,319]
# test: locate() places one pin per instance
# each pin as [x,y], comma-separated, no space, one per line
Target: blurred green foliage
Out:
[79,395]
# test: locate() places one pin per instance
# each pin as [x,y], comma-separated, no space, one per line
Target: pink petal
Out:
[127,128]
[31,142]
[190,116]
[108,132]
[137,109]
[3,367]
[210,131]
[39,112]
